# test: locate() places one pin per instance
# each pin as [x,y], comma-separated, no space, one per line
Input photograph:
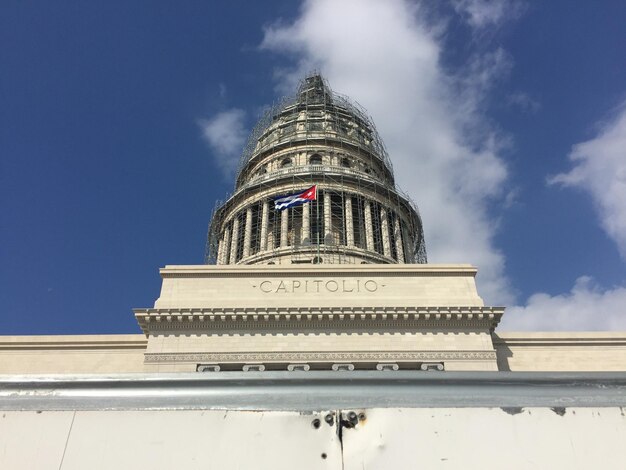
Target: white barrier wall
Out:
[398,438]
[301,420]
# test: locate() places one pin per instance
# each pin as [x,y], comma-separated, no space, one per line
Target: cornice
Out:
[301,319]
[560,339]
[71,342]
[408,270]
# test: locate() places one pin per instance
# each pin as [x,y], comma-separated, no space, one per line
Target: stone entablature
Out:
[344,316]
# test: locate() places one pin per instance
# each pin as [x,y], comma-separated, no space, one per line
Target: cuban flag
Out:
[285,202]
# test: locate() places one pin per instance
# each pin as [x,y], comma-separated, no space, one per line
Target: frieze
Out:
[322,356]
[232,328]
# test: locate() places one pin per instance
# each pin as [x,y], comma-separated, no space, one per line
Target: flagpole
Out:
[317,203]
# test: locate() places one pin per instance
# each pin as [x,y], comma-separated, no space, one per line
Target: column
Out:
[264,225]
[306,223]
[247,237]
[408,249]
[328,224]
[222,252]
[234,240]
[369,230]
[398,236]
[284,227]
[349,222]
[384,227]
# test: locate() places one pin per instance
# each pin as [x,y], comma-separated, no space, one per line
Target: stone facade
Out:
[336,283]
[112,354]
[72,354]
[561,351]
[340,283]
[319,317]
[366,315]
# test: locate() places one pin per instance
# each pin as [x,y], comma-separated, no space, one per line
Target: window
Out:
[315,159]
[370,171]
[286,163]
[345,162]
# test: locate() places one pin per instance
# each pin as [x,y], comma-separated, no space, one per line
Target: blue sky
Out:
[121,122]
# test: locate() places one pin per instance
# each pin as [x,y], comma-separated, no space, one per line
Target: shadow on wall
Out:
[503,353]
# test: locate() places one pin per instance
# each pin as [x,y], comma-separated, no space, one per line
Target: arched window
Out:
[315,159]
[261,171]
[345,162]
[286,163]
[370,171]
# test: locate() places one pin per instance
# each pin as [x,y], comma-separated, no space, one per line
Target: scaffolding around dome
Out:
[314,91]
[321,138]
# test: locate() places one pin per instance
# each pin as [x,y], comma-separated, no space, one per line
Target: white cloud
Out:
[524,101]
[600,169]
[226,135]
[483,13]
[586,307]
[386,56]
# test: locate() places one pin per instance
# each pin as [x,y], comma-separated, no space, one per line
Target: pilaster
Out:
[264,225]
[349,222]
[369,229]
[234,241]
[284,227]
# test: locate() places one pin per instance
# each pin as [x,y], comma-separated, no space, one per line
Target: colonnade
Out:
[377,229]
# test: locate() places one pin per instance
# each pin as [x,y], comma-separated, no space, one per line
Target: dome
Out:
[316,139]
[314,114]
